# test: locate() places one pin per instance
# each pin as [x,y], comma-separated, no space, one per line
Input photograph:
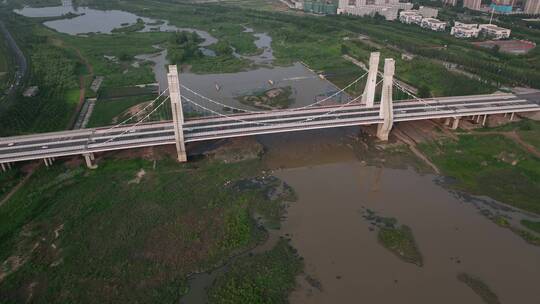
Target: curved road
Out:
[22,65]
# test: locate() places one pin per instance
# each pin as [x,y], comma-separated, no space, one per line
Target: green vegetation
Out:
[147,228]
[397,239]
[276,98]
[534,226]
[107,112]
[261,278]
[184,46]
[54,72]
[527,129]
[490,165]
[8,180]
[479,287]
[5,70]
[400,241]
[139,25]
[183,49]
[524,234]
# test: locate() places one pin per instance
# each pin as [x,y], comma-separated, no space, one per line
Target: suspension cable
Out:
[132,127]
[341,107]
[139,112]
[290,110]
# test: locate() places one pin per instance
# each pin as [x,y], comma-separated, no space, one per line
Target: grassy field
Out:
[490,165]
[479,287]
[261,278]
[527,129]
[534,226]
[398,239]
[134,240]
[105,111]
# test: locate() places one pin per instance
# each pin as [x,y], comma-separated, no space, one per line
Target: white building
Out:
[410,17]
[494,31]
[433,24]
[464,30]
[387,8]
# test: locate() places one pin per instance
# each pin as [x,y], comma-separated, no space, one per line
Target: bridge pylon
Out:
[177,112]
[386,110]
[368,98]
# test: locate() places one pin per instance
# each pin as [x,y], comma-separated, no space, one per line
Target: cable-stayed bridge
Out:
[138,131]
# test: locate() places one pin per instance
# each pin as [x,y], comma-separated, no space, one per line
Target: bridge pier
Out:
[48,161]
[89,159]
[484,120]
[4,167]
[447,121]
[386,111]
[512,116]
[368,98]
[177,112]
[455,124]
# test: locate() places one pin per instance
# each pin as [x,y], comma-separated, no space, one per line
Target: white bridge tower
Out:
[177,112]
[368,97]
[386,111]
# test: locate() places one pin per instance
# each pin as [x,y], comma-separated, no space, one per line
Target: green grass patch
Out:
[261,278]
[109,111]
[534,226]
[490,165]
[529,237]
[276,98]
[400,241]
[479,287]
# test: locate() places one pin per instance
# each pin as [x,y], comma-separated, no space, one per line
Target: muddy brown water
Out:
[341,252]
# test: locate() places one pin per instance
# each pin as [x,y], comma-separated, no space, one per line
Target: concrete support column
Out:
[89,158]
[455,124]
[512,116]
[177,112]
[46,160]
[447,121]
[386,111]
[368,98]
[478,118]
[3,167]
[484,120]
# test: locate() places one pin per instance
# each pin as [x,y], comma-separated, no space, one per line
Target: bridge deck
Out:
[76,142]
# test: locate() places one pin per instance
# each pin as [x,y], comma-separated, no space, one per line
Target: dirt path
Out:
[82,81]
[514,136]
[19,185]
[412,145]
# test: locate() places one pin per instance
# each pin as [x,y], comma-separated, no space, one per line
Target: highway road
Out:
[84,141]
[22,65]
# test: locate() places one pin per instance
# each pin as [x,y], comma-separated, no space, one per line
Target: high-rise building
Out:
[450,2]
[472,4]
[387,8]
[532,7]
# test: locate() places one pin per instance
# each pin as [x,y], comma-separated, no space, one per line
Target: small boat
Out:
[217,87]
[270,81]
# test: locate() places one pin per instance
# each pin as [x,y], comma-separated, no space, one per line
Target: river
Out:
[326,225]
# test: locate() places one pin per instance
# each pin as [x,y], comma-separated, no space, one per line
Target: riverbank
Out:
[492,165]
[153,224]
